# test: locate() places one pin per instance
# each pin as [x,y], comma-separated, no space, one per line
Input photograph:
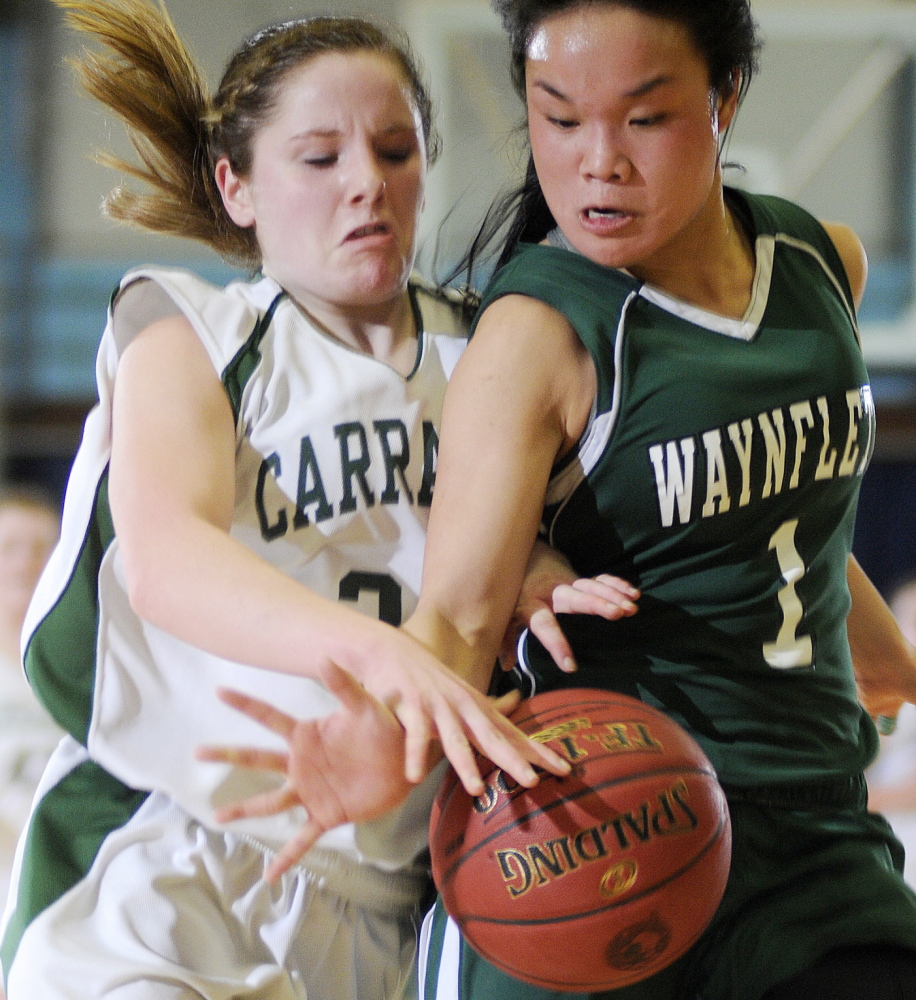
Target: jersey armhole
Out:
[138,305]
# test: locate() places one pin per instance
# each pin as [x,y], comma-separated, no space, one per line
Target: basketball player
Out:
[258,470]
[694,415]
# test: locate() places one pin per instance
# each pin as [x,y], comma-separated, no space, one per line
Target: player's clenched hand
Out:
[550,588]
[347,767]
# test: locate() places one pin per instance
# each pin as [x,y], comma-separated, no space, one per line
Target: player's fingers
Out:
[266,804]
[606,603]
[417,738]
[539,754]
[546,628]
[451,721]
[618,593]
[510,749]
[344,686]
[249,757]
[611,589]
[615,583]
[260,711]
[507,703]
[293,850]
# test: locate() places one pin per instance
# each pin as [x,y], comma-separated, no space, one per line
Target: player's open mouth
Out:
[373,229]
[604,213]
[604,221]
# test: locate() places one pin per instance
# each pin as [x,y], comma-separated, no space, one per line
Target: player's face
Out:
[624,132]
[337,181]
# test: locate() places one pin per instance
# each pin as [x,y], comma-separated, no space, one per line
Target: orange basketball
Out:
[593,881]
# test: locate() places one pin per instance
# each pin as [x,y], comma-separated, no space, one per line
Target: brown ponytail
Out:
[148,78]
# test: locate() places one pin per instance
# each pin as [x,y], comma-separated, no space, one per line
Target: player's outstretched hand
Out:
[346,767]
[550,588]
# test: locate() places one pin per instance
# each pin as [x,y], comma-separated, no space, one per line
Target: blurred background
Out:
[830,121]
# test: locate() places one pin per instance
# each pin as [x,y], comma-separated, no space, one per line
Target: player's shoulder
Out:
[559,276]
[197,293]
[223,317]
[588,296]
[835,246]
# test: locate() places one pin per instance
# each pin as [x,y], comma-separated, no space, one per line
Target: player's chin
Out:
[379,279]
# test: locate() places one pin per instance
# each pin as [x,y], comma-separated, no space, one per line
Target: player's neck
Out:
[385,331]
[711,265]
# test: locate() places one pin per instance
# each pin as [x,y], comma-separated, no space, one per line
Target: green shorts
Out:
[803,882]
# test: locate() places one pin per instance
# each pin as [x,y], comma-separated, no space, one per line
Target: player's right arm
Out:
[171,488]
[519,399]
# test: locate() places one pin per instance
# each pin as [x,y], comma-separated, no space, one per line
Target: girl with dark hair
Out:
[694,415]
[665,379]
[258,470]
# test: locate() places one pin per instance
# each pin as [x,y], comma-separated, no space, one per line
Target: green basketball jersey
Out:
[719,474]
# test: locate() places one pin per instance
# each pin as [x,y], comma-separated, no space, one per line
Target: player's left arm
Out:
[520,398]
[883,660]
[852,253]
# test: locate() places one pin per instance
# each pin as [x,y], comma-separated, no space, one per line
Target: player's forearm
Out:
[472,574]
[498,443]
[876,642]
[206,588]
[469,652]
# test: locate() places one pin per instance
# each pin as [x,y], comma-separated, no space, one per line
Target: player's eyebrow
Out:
[394,128]
[640,91]
[649,85]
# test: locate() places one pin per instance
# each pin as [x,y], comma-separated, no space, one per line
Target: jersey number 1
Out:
[789,649]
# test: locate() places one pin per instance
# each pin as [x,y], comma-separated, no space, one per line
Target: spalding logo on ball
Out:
[593,881]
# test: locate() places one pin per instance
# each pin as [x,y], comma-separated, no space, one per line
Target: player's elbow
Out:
[143,579]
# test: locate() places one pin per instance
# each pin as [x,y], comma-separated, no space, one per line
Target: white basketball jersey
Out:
[335,464]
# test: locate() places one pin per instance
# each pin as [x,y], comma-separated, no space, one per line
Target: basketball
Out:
[593,881]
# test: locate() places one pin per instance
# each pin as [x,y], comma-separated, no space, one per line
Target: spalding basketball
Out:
[593,881]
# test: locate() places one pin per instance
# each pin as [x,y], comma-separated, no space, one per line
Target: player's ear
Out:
[235,192]
[727,102]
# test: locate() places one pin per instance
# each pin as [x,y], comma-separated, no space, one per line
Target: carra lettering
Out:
[362,465]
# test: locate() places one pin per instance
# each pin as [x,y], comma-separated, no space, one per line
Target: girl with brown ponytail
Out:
[257,472]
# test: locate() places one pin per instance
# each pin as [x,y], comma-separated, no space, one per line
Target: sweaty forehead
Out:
[549,40]
[601,51]
[609,32]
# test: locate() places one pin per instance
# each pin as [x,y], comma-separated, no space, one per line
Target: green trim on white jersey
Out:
[335,466]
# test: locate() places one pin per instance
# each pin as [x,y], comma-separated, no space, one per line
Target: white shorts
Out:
[171,910]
